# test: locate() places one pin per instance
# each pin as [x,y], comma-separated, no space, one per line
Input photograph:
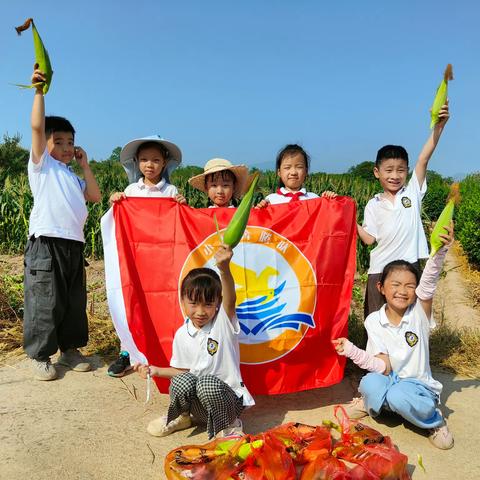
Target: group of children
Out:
[209,388]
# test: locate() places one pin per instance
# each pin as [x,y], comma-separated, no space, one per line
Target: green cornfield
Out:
[16,202]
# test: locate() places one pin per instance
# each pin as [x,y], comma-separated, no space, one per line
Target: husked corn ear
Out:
[234,232]
[441,95]
[41,56]
[444,219]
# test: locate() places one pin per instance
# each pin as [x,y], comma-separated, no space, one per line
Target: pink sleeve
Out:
[431,273]
[363,359]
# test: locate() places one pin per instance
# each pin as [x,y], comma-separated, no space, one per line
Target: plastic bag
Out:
[367,447]
[216,460]
[270,461]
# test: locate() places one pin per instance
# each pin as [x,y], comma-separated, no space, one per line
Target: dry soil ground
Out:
[90,426]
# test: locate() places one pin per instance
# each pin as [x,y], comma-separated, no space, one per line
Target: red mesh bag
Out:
[325,467]
[367,447]
[356,433]
[303,442]
[203,462]
[270,461]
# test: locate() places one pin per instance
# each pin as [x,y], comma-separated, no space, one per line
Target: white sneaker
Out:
[73,359]
[234,430]
[441,437]
[43,370]
[160,428]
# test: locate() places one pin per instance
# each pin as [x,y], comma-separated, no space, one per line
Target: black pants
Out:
[55,297]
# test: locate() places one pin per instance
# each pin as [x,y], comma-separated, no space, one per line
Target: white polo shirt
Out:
[59,208]
[161,189]
[212,350]
[397,227]
[406,344]
[275,198]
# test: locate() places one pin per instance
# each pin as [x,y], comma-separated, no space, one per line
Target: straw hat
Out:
[129,153]
[218,165]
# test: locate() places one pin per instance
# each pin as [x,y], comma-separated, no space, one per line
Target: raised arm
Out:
[39,140]
[431,273]
[223,257]
[431,144]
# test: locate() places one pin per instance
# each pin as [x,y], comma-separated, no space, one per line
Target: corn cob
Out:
[441,95]
[41,57]
[444,219]
[243,452]
[234,232]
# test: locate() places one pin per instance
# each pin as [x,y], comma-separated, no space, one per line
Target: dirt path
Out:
[452,300]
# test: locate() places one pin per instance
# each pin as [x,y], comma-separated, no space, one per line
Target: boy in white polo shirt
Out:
[392,219]
[54,278]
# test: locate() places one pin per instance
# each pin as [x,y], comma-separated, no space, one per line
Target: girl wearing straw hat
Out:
[221,181]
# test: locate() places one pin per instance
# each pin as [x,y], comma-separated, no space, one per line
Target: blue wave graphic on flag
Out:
[263,314]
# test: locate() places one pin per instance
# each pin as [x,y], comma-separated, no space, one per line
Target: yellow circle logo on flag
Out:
[276,291]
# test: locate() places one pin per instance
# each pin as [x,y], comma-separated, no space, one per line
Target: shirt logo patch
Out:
[411,338]
[212,346]
[406,202]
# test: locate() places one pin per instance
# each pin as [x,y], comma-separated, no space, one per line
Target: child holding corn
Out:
[54,278]
[392,219]
[397,354]
[221,181]
[148,162]
[292,165]
[206,382]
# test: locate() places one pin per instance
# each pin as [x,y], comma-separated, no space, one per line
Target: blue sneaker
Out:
[120,366]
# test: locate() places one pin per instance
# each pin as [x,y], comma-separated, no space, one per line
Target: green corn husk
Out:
[234,232]
[441,95]
[444,219]
[41,57]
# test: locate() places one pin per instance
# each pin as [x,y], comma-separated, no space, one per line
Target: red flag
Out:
[293,273]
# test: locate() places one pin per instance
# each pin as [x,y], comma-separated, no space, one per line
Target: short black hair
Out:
[159,146]
[399,265]
[391,151]
[57,124]
[202,285]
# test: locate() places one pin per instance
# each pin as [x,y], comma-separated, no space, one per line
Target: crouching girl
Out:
[397,354]
[206,382]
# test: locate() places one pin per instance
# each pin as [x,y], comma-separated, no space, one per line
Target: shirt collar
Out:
[158,186]
[384,321]
[379,196]
[286,190]
[193,331]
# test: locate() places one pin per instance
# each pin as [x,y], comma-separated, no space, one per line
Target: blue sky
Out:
[239,80]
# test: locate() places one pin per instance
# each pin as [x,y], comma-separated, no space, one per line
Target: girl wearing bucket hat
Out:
[221,181]
[148,162]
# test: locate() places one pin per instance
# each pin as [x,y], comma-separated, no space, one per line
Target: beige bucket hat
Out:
[218,165]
